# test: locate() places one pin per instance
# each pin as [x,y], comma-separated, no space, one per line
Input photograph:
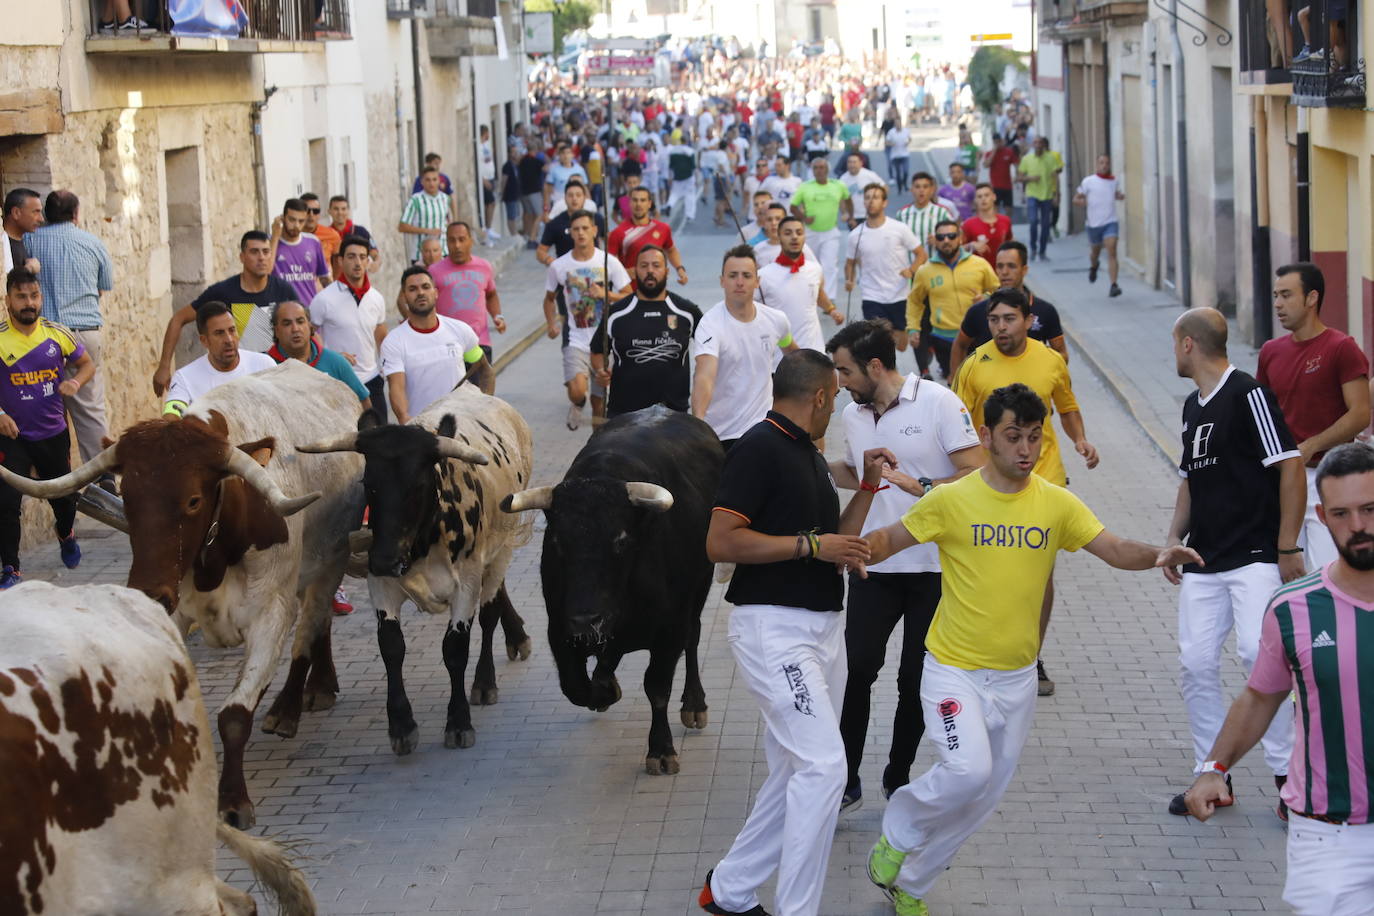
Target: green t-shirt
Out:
[1041,168]
[822,203]
[849,131]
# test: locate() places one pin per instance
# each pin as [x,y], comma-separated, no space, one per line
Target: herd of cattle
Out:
[243,518]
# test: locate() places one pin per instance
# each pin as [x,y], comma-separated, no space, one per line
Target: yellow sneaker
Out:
[908,905]
[884,863]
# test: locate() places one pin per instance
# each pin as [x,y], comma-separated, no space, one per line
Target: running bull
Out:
[436,536]
[624,564]
[216,541]
[108,766]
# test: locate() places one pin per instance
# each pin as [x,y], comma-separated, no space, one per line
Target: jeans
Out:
[897,168]
[1038,214]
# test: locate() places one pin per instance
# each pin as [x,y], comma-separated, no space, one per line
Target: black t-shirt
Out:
[630,167]
[776,479]
[18,252]
[1231,447]
[531,171]
[650,352]
[558,232]
[231,293]
[510,192]
[1044,327]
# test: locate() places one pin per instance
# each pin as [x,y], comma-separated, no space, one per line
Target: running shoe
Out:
[707,902]
[1302,55]
[70,550]
[1092,273]
[108,28]
[1046,688]
[1178,805]
[574,416]
[907,905]
[852,799]
[1114,291]
[340,604]
[10,577]
[884,864]
[134,24]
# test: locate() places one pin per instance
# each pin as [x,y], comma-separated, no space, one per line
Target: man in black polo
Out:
[1011,266]
[558,230]
[775,517]
[646,337]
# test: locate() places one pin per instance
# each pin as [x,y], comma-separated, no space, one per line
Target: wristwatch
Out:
[926,482]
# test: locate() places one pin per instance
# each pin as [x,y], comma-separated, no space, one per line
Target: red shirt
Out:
[827,112]
[1000,162]
[794,134]
[1307,377]
[627,239]
[976,228]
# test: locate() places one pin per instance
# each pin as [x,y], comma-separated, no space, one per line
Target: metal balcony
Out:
[235,26]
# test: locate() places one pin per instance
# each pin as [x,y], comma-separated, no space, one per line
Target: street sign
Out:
[619,81]
[991,36]
[609,62]
[642,45]
[539,33]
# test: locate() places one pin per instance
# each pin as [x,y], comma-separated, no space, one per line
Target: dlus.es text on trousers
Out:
[793,662]
[978,720]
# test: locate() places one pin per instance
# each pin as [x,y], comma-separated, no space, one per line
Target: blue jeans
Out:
[897,170]
[1038,214]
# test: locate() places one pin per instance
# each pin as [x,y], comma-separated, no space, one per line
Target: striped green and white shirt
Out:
[921,220]
[428,212]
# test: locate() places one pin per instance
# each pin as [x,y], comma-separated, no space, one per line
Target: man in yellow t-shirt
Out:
[946,285]
[1039,172]
[998,530]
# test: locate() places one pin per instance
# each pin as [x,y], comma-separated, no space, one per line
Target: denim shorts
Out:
[1097,233]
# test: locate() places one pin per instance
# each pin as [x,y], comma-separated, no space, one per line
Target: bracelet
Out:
[1289,553]
[796,552]
[869,488]
[815,542]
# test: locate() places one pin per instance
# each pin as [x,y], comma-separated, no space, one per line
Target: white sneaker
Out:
[134,24]
[574,416]
[493,234]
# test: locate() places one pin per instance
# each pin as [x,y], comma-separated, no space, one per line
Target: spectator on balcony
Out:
[436,162]
[329,238]
[427,212]
[1335,21]
[77,271]
[23,214]
[115,16]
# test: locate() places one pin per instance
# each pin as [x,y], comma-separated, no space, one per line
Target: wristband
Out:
[1212,766]
[869,488]
[815,541]
[1289,553]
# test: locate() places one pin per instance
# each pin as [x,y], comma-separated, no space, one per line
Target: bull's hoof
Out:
[665,765]
[240,816]
[483,696]
[279,725]
[694,718]
[602,695]
[460,737]
[407,742]
[522,650]
[320,700]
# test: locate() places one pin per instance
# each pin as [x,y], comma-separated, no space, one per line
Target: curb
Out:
[516,349]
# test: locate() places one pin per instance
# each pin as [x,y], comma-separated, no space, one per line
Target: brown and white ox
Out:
[108,767]
[217,542]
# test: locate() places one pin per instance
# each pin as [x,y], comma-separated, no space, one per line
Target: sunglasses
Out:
[946,236]
[312,209]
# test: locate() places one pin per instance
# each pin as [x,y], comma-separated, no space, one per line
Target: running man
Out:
[922,216]
[817,204]
[223,360]
[428,355]
[640,230]
[942,290]
[467,287]
[979,679]
[795,285]
[1099,193]
[1011,266]
[776,517]
[856,179]
[1314,646]
[575,285]
[880,254]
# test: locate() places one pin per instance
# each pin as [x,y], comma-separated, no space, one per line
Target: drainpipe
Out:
[1263,314]
[1153,266]
[419,94]
[1304,186]
[260,156]
[1185,260]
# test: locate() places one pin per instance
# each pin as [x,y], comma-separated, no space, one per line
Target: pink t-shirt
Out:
[463,292]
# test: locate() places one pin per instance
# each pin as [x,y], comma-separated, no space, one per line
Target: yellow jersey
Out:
[997,551]
[948,292]
[1039,368]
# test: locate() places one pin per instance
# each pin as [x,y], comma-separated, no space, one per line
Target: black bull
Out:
[624,564]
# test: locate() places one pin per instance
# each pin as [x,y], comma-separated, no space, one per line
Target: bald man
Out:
[1240,505]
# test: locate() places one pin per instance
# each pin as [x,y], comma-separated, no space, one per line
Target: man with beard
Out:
[640,231]
[795,284]
[978,680]
[1011,266]
[886,407]
[223,360]
[644,341]
[942,290]
[34,438]
[428,355]
[297,256]
[1314,645]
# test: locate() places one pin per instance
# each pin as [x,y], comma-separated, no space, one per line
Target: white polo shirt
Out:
[927,425]
[349,325]
[795,295]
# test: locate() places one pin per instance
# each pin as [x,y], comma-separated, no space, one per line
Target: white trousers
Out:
[827,248]
[1210,605]
[1330,868]
[978,721]
[793,662]
[1318,547]
[686,192]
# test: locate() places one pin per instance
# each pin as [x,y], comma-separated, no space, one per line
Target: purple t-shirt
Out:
[961,197]
[34,367]
[463,292]
[300,264]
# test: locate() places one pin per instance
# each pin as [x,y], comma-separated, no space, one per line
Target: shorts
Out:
[1107,231]
[512,210]
[487,196]
[533,203]
[894,312]
[1003,196]
[577,361]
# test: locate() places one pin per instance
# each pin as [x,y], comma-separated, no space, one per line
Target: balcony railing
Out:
[407,9]
[1265,41]
[233,25]
[1328,71]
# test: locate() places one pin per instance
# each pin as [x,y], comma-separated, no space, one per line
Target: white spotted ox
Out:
[217,542]
[437,536]
[108,768]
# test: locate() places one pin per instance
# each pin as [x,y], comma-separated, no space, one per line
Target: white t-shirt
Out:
[198,378]
[1101,194]
[883,252]
[781,189]
[434,361]
[795,295]
[899,138]
[856,185]
[574,277]
[747,352]
[486,168]
[928,424]
[349,326]
[767,252]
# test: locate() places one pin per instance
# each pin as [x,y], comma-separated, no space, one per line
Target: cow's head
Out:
[401,479]
[595,525]
[180,478]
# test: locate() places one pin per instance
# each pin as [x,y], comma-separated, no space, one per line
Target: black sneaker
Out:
[852,799]
[1092,274]
[1046,687]
[1178,805]
[892,781]
[707,902]
[1114,291]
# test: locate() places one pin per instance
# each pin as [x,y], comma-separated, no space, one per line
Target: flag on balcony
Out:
[217,18]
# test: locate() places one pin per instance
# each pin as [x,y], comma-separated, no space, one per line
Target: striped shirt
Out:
[1319,642]
[427,211]
[921,220]
[76,269]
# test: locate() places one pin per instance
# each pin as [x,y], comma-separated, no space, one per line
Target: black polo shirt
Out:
[776,480]
[1045,324]
[649,342]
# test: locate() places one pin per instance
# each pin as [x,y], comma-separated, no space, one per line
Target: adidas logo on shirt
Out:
[1323,640]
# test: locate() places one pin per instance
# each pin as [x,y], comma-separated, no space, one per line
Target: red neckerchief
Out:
[1108,177]
[785,261]
[358,291]
[346,231]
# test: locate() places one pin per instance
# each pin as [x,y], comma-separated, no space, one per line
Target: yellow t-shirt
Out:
[997,551]
[950,291]
[1039,368]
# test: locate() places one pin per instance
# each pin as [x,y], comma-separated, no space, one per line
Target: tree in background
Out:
[985,73]
[568,16]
